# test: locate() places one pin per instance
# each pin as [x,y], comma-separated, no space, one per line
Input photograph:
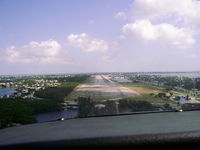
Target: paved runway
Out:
[100,87]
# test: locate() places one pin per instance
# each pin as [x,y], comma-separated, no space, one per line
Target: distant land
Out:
[168,73]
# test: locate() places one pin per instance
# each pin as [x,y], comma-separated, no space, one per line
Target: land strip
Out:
[100,87]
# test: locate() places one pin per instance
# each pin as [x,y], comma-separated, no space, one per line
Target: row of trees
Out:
[58,93]
[14,111]
[135,105]
[171,81]
[87,106]
[54,93]
[73,78]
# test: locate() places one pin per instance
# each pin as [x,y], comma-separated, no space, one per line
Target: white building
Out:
[99,106]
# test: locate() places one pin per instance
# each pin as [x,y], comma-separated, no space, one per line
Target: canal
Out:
[66,113]
[7,91]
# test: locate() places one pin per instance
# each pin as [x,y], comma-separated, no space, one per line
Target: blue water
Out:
[66,113]
[7,91]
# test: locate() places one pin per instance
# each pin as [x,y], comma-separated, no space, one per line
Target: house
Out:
[24,91]
[182,98]
[175,107]
[99,106]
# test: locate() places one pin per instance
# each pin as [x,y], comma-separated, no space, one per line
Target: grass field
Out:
[143,88]
[147,92]
[151,99]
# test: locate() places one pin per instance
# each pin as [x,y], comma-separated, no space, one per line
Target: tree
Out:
[188,83]
[162,95]
[85,106]
[15,111]
[135,105]
[197,83]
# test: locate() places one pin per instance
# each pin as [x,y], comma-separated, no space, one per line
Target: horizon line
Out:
[37,74]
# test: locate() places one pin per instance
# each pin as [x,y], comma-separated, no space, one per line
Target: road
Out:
[100,87]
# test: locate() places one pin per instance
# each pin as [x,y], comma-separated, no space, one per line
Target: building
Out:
[182,98]
[99,106]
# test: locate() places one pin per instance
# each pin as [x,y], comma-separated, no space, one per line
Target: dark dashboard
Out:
[142,130]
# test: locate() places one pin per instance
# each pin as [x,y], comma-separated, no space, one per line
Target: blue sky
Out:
[64,36]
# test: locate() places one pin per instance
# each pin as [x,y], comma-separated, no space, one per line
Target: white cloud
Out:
[173,22]
[185,11]
[167,33]
[87,43]
[34,52]
[121,15]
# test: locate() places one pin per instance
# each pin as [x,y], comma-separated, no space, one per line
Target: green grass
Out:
[68,84]
[147,89]
[89,80]
[57,93]
[139,84]
[151,99]
[148,92]
[143,88]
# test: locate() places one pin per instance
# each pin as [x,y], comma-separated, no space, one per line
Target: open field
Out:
[100,87]
[146,90]
[143,88]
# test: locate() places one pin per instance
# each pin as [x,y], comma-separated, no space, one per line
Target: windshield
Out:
[70,59]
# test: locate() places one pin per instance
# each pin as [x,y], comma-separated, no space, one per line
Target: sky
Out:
[79,36]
